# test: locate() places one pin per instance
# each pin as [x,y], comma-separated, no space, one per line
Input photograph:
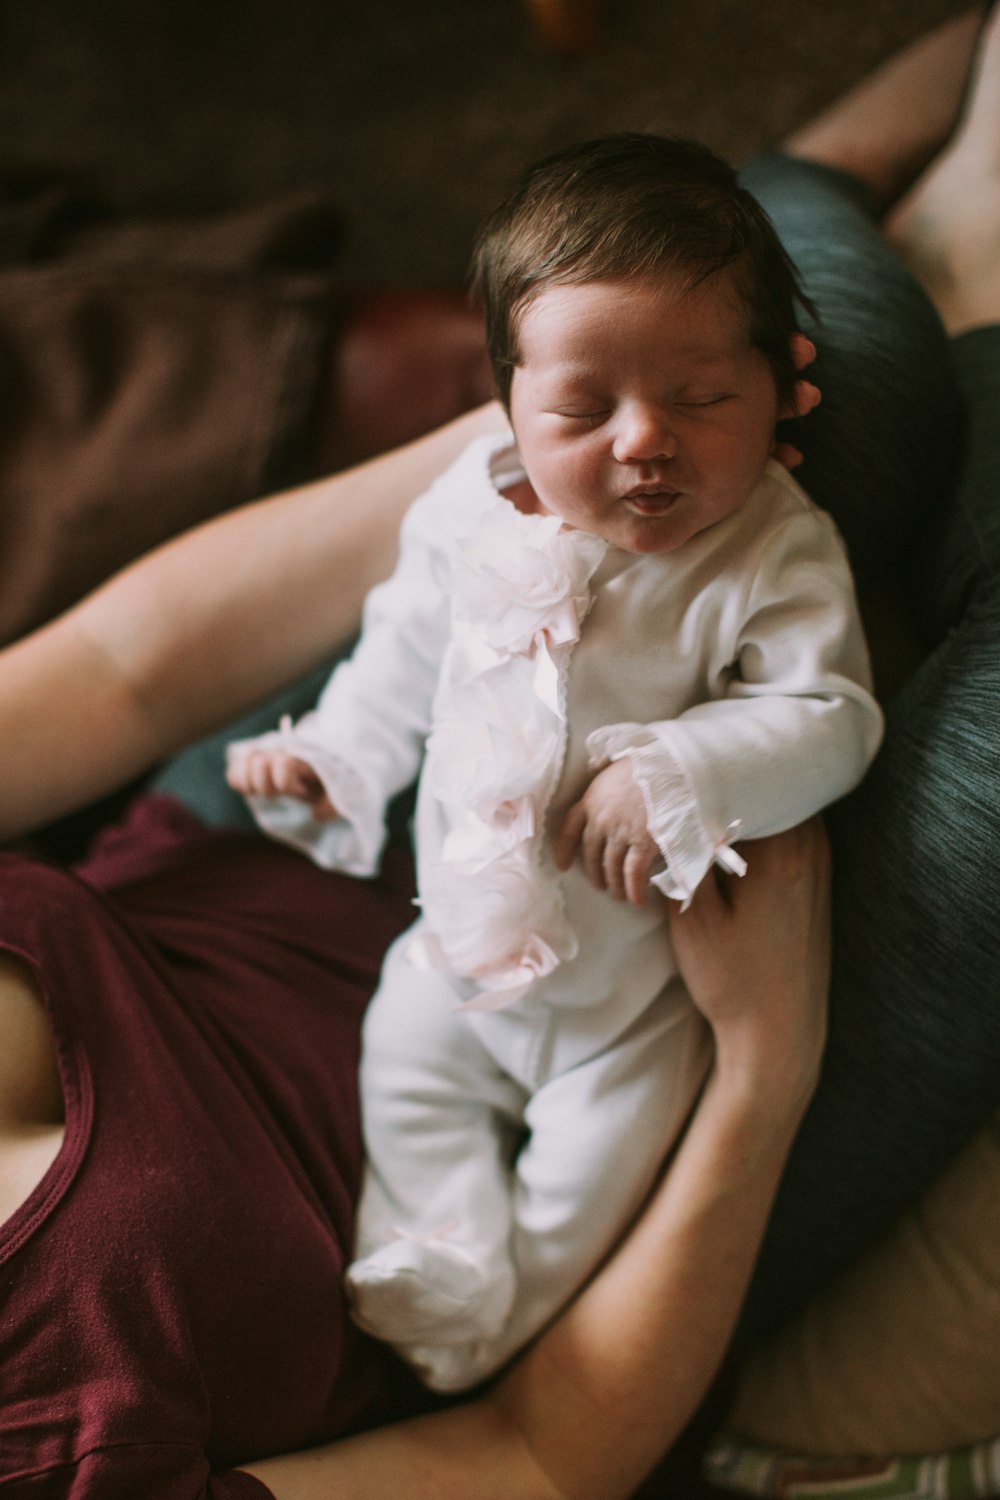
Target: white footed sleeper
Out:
[531,1053]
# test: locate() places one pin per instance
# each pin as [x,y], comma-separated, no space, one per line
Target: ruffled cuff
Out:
[673,816]
[352,842]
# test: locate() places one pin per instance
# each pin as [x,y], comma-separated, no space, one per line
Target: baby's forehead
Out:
[578,324]
[724,291]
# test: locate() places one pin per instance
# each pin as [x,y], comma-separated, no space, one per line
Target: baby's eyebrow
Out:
[699,355]
[577,370]
[713,368]
[563,384]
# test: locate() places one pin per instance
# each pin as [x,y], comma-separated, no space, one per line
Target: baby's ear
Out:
[804,395]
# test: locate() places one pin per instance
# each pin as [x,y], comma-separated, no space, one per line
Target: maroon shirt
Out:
[170,1295]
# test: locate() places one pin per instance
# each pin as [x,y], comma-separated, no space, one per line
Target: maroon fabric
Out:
[170,1294]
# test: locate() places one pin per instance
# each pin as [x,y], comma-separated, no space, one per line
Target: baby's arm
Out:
[365,739]
[791,727]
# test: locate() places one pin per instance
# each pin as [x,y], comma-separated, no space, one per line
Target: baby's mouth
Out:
[651,502]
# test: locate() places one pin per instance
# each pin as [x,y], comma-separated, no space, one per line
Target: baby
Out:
[616,642]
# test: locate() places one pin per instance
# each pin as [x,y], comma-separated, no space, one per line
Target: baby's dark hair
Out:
[634,205]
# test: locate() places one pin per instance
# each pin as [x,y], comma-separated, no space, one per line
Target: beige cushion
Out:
[902,1355]
[739,1468]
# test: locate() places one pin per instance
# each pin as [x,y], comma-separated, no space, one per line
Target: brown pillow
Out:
[153,374]
[138,403]
[902,1354]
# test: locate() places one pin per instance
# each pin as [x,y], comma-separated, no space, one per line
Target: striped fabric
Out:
[965,1474]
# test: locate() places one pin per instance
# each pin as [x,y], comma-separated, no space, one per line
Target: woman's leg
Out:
[887,128]
[914,1049]
[948,231]
[946,228]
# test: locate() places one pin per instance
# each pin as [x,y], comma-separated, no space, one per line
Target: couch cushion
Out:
[901,1354]
[965,1474]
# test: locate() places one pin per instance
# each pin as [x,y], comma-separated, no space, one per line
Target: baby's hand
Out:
[275,773]
[608,826]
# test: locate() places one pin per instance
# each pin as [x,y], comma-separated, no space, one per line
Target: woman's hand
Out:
[805,396]
[755,956]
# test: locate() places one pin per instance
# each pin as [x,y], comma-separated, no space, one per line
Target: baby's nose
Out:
[644,432]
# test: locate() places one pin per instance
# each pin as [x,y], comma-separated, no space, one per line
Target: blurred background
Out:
[414,115]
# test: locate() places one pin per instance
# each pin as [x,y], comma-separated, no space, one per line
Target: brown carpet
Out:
[418,113]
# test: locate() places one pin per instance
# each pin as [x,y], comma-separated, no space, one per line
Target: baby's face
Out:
[642,411]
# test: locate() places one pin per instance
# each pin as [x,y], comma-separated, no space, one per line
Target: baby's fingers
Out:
[236,774]
[612,879]
[597,857]
[291,777]
[270,773]
[637,866]
[323,809]
[626,869]
[567,840]
[256,775]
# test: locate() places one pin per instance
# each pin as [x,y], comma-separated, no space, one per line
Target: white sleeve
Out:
[365,738]
[794,725]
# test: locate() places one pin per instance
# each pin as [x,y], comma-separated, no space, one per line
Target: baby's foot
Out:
[427,1291]
[452,1368]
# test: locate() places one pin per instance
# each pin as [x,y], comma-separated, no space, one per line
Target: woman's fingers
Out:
[805,394]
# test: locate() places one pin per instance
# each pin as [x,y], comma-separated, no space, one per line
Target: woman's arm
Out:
[201,629]
[588,1410]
